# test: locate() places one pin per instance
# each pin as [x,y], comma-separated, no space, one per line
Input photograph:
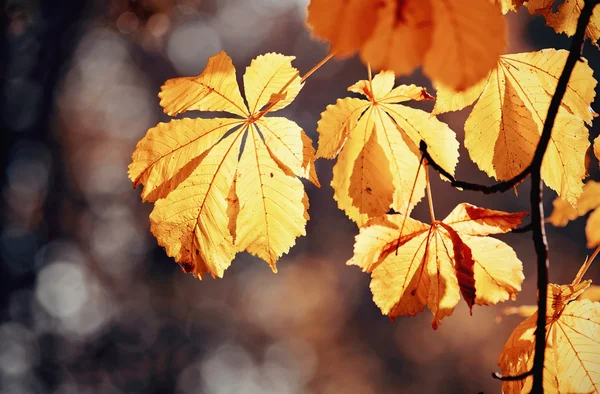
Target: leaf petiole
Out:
[429,198]
[280,95]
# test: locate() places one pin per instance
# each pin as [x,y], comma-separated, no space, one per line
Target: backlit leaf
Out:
[564,20]
[216,89]
[225,185]
[456,41]
[468,37]
[171,151]
[378,142]
[401,37]
[592,293]
[589,200]
[272,212]
[346,24]
[509,5]
[572,348]
[413,264]
[503,129]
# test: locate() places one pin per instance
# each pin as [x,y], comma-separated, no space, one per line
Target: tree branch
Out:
[537,207]
[499,187]
[522,376]
[523,229]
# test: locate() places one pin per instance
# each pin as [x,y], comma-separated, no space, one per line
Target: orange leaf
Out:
[509,5]
[378,144]
[346,24]
[505,125]
[456,41]
[565,19]
[225,185]
[588,201]
[572,348]
[413,264]
[468,37]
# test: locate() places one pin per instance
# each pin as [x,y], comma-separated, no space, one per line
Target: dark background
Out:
[90,304]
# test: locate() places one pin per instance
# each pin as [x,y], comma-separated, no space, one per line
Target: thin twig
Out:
[524,229]
[537,207]
[316,67]
[370,77]
[522,376]
[499,187]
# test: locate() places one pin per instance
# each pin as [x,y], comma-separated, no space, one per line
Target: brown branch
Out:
[499,187]
[537,207]
[522,376]
[524,229]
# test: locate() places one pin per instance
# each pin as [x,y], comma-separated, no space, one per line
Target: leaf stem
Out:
[316,67]
[429,199]
[308,74]
[410,198]
[370,77]
[585,267]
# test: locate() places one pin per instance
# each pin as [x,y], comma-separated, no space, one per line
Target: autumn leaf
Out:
[508,117]
[413,264]
[225,185]
[346,24]
[457,42]
[565,19]
[589,200]
[401,36]
[509,5]
[573,344]
[378,145]
[523,311]
[592,293]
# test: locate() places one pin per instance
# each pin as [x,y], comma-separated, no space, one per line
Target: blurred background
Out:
[90,304]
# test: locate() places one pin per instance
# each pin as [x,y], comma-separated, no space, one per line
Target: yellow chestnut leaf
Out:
[225,185]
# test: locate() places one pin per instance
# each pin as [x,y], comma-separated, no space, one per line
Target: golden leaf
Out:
[225,185]
[572,348]
[456,41]
[566,17]
[161,166]
[216,89]
[468,37]
[509,114]
[271,203]
[346,24]
[592,293]
[401,37]
[413,264]
[378,142]
[592,229]
[509,5]
[588,201]
[523,311]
